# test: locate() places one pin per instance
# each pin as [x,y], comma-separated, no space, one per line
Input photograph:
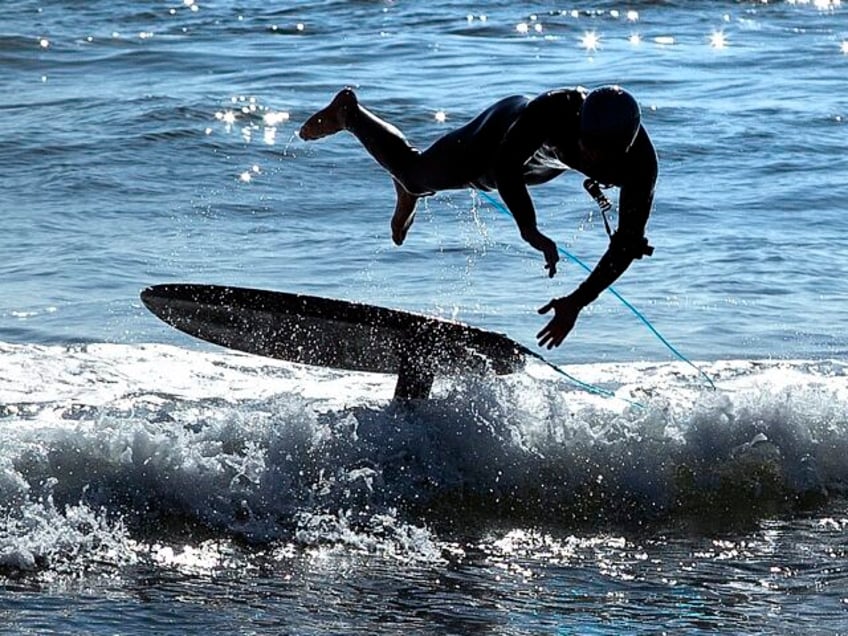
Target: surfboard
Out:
[335,333]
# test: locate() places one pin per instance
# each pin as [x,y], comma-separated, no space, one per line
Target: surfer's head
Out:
[609,120]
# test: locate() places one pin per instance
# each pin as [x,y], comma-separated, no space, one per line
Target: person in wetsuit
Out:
[515,143]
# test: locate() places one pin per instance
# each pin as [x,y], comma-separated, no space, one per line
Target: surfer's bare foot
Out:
[404,214]
[330,119]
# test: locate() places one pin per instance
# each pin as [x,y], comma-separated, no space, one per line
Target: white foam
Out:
[98,374]
[101,438]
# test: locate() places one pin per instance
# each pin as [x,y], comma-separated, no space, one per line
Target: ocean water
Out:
[150,483]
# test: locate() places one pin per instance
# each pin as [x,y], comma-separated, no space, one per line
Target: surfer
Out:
[515,143]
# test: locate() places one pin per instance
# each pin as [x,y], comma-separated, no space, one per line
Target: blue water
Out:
[153,484]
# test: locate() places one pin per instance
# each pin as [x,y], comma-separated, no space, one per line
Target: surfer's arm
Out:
[522,140]
[627,244]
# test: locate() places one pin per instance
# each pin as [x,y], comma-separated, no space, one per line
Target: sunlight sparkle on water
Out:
[227,116]
[523,28]
[822,5]
[590,41]
[247,175]
[844,47]
[275,119]
[441,116]
[201,560]
[718,40]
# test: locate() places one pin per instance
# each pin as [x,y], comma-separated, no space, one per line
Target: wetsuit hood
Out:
[610,119]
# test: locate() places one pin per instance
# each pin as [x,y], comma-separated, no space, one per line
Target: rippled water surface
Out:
[151,484]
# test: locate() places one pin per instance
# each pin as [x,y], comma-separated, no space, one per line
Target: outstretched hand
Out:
[565,315]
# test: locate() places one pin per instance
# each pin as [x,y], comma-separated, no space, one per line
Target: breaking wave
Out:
[113,453]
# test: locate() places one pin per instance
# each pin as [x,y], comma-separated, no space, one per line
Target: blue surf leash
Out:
[589,387]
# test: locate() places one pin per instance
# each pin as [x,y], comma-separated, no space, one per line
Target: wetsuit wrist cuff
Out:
[630,246]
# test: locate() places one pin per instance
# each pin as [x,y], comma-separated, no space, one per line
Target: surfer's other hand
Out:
[547,247]
[565,315]
[551,257]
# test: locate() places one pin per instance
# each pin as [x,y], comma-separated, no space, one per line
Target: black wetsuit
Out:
[515,143]
[519,142]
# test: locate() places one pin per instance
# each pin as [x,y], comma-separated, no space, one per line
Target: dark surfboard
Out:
[335,333]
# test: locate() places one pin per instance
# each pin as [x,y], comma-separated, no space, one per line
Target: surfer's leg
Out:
[465,155]
[330,119]
[404,213]
[383,141]
[458,159]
